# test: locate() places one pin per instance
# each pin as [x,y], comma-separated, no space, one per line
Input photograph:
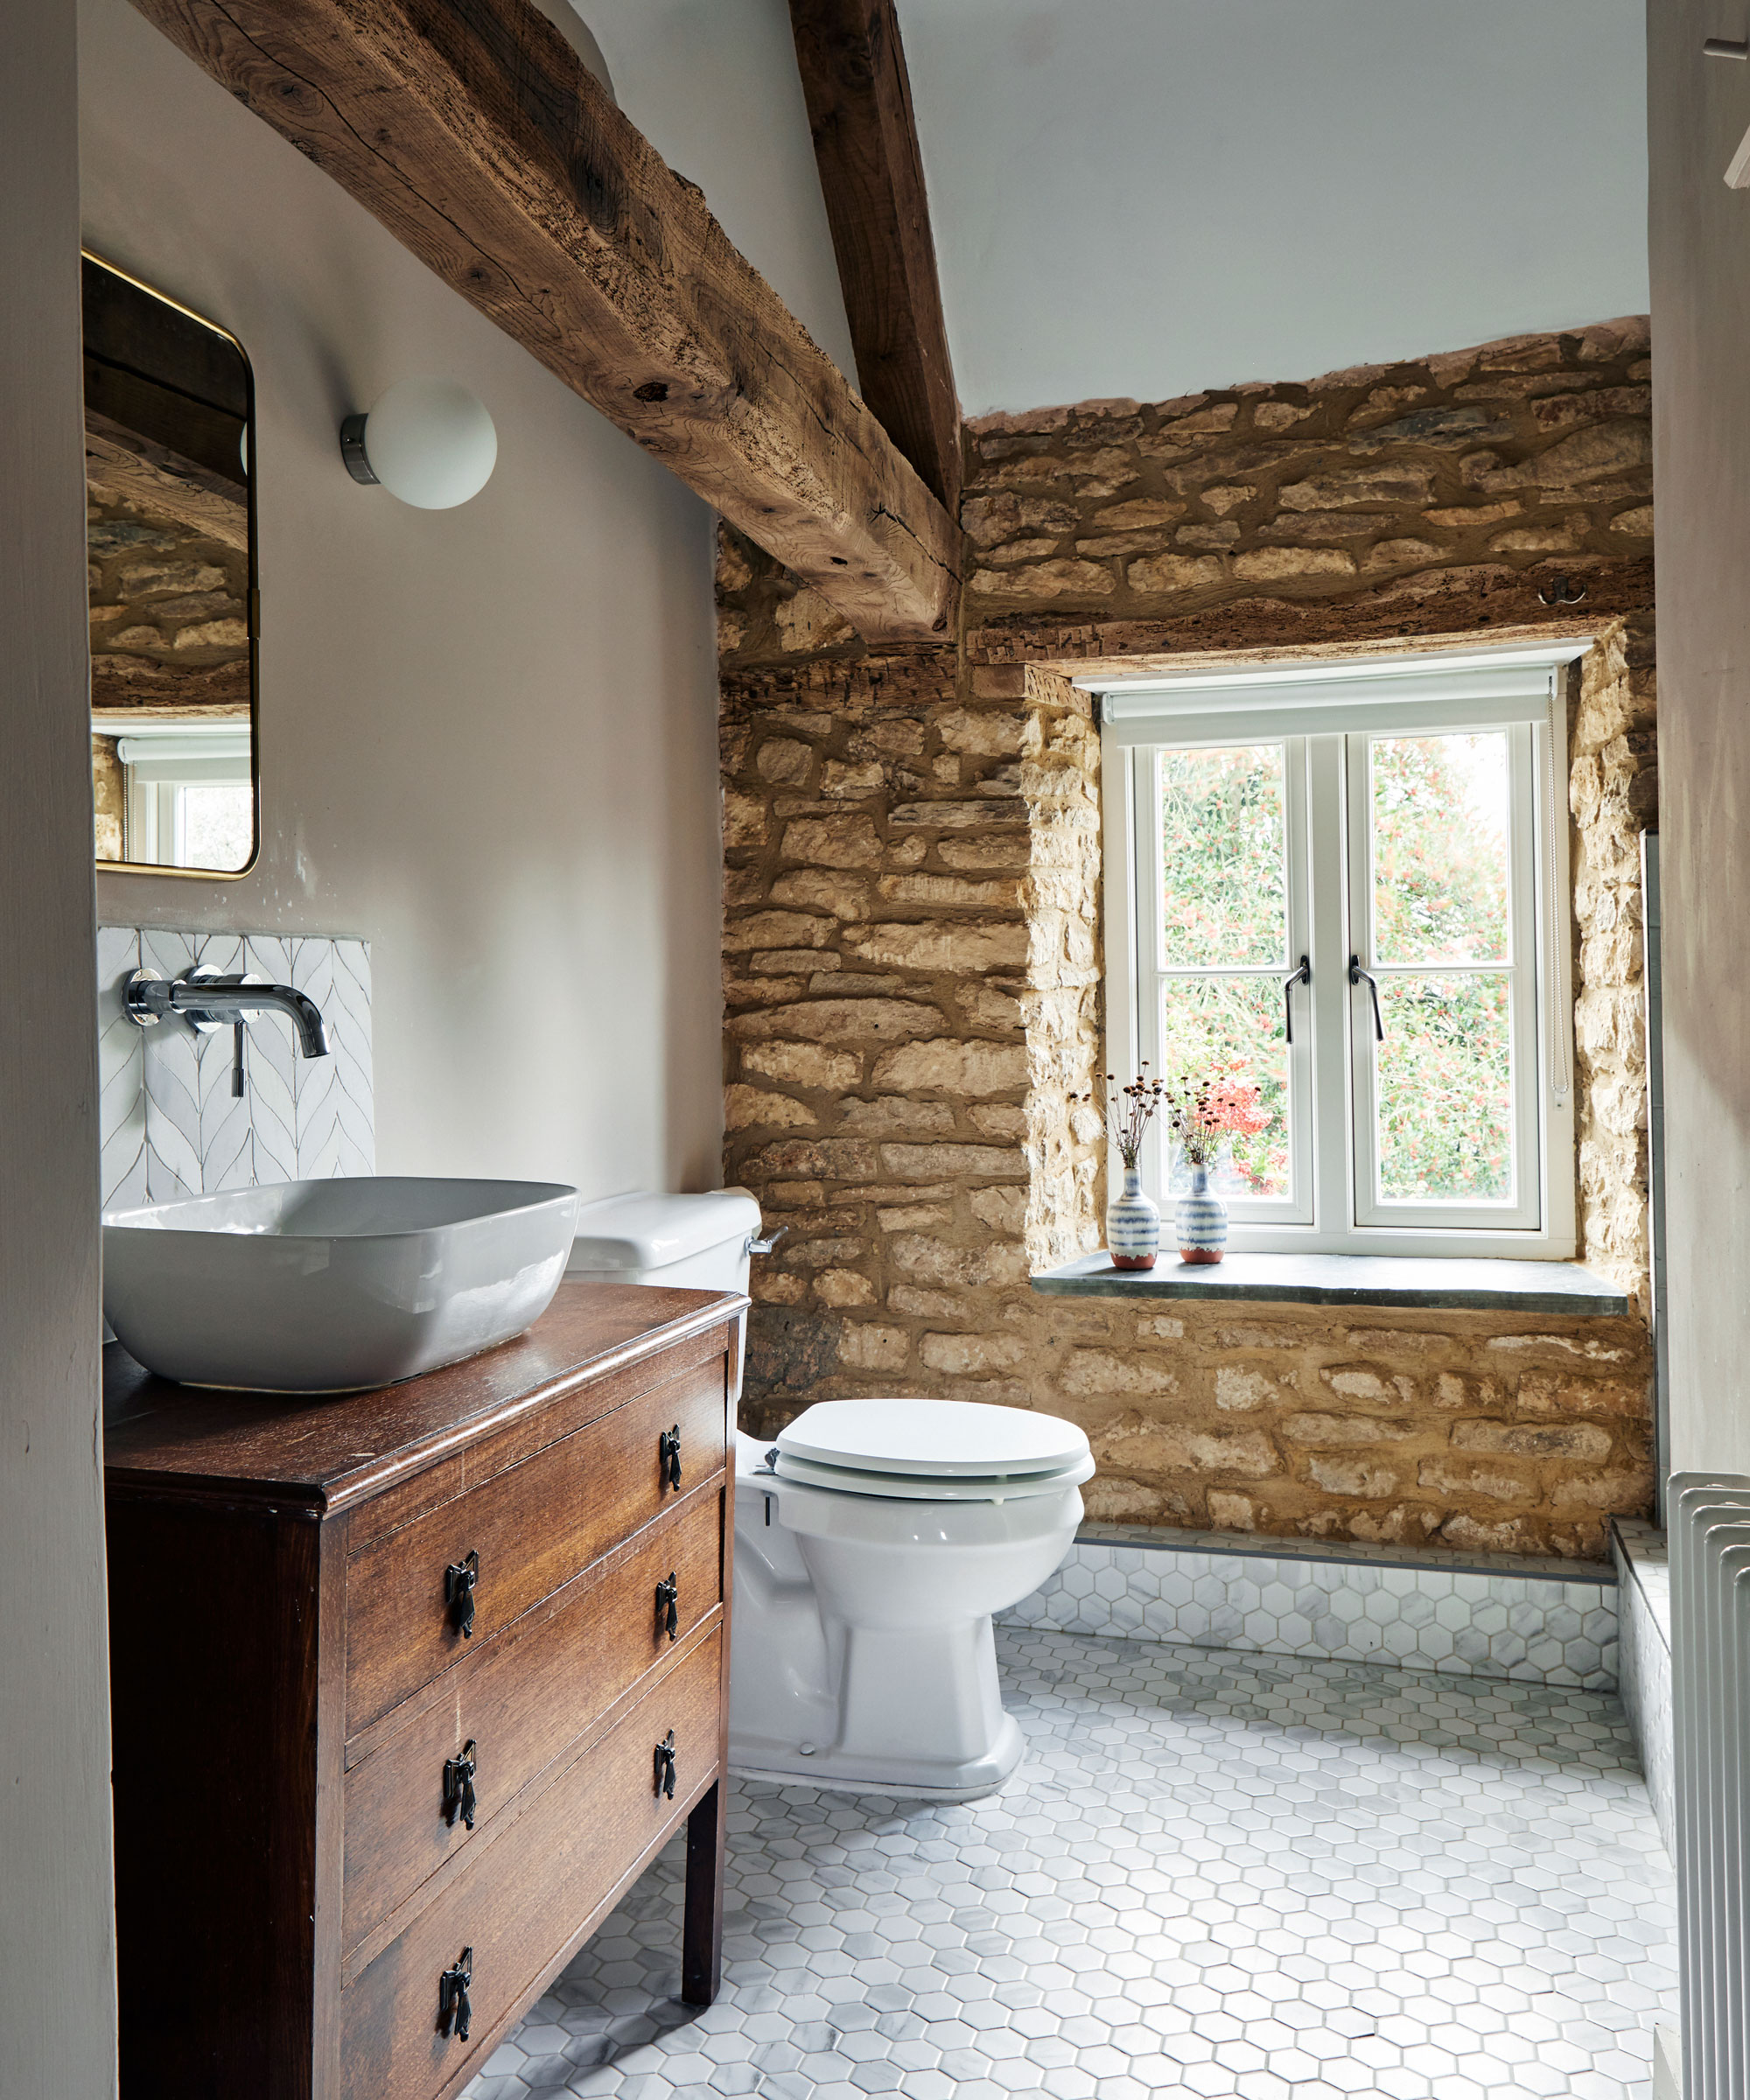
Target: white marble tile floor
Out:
[1217,1874]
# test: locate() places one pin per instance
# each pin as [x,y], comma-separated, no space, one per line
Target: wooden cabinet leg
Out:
[701,1932]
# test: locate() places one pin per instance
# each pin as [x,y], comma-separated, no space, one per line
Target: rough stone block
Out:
[776,929]
[1524,1439]
[867,1346]
[802,1064]
[1173,572]
[954,1067]
[1354,1476]
[956,1355]
[1239,1391]
[1278,564]
[820,1158]
[1396,486]
[843,896]
[1089,1371]
[831,841]
[937,944]
[752,1109]
[955,1162]
[839,1021]
[841,1287]
[1139,1446]
[1332,1431]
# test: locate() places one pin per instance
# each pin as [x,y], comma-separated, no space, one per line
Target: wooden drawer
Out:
[519,1697]
[531,1529]
[519,1902]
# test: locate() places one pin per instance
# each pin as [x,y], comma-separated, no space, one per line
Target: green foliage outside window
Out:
[1438,816]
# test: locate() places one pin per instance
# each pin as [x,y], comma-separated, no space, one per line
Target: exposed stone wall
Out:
[169,613]
[912,953]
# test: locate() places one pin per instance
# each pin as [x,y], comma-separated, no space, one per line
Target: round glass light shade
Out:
[431,443]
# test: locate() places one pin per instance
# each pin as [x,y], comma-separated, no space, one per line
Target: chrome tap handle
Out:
[207,1000]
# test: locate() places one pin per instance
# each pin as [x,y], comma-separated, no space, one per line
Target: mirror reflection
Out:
[169,517]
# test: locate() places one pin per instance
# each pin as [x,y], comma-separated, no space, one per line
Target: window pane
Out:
[1223,857]
[1444,1090]
[1228,1031]
[1441,848]
[217,824]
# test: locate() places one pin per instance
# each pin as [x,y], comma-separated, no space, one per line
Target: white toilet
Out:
[874,1542]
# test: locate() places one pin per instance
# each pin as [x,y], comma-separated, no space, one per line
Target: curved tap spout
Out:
[217,1002]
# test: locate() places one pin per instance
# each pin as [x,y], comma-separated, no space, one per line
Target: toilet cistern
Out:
[208,1000]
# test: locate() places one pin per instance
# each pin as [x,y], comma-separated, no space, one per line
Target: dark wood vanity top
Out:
[328,1453]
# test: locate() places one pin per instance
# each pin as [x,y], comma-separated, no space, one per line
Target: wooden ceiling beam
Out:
[859,98]
[471,129]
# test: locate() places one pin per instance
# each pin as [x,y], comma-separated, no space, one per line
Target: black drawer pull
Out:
[454,2012]
[459,1579]
[665,1766]
[668,1458]
[669,1606]
[458,1788]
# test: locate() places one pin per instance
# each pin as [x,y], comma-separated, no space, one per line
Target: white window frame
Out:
[159,762]
[1324,714]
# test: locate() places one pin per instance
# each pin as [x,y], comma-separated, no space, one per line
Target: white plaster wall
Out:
[488,735]
[1147,197]
[57,1938]
[1699,109]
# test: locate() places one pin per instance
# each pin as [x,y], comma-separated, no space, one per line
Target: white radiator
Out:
[1709,1524]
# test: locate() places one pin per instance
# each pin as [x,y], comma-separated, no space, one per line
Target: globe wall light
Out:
[428,441]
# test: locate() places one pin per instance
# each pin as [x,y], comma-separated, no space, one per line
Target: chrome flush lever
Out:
[1303,976]
[758,1244]
[1357,975]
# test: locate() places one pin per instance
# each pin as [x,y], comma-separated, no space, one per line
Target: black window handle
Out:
[665,1766]
[669,1606]
[1357,975]
[1303,976]
[459,1798]
[454,2012]
[669,1457]
[460,1580]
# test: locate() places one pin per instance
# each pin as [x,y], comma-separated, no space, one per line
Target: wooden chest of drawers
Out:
[406,1688]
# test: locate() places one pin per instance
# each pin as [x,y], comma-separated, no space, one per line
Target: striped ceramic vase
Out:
[1202,1221]
[1132,1226]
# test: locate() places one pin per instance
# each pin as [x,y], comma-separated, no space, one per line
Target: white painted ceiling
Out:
[1148,197]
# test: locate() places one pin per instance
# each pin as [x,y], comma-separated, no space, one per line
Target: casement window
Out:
[1346,884]
[191,797]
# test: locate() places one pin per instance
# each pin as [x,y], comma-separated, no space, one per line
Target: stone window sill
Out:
[1475,1286]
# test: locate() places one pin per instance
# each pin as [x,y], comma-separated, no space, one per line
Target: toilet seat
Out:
[932,1451]
[933,1488]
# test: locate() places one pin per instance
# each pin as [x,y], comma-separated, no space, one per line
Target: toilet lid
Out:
[932,1439]
[935,1487]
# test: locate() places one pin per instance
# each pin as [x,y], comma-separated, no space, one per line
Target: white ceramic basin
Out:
[333,1286]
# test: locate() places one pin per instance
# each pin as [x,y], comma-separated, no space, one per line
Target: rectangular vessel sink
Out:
[333,1286]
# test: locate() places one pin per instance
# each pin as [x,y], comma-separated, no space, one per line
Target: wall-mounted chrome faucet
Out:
[208,1000]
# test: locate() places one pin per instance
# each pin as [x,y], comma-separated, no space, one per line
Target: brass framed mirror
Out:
[170,452]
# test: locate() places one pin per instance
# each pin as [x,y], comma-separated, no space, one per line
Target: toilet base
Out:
[833,1772]
[895,1709]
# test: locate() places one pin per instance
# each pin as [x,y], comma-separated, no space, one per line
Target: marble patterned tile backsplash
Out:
[171,1124]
